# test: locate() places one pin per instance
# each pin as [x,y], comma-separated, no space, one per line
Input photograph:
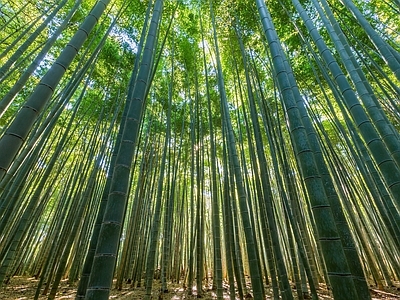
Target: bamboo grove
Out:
[249,147]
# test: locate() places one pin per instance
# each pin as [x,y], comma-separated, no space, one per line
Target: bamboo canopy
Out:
[249,147]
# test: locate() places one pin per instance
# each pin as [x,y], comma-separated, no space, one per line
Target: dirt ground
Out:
[21,288]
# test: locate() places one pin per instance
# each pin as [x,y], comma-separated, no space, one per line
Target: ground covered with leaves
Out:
[21,288]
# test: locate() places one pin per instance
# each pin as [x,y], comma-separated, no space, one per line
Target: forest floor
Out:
[21,288]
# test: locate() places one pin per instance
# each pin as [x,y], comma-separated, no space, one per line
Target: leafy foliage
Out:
[63,169]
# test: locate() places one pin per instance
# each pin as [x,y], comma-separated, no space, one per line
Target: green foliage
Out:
[96,100]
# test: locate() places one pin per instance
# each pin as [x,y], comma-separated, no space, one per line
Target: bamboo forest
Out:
[216,149]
